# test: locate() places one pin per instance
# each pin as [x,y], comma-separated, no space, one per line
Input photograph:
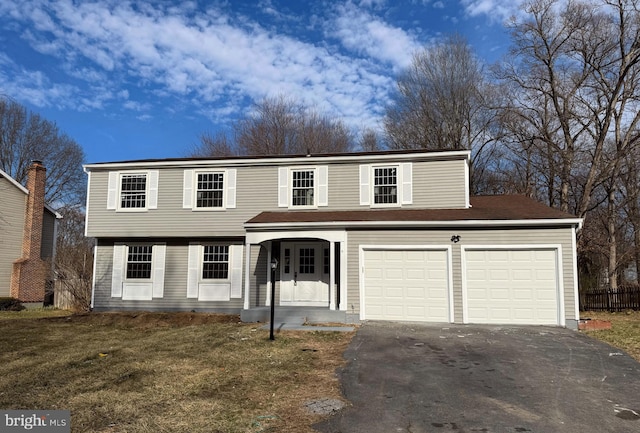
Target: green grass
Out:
[167,372]
[624,333]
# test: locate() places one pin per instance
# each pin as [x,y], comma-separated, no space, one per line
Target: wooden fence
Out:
[620,299]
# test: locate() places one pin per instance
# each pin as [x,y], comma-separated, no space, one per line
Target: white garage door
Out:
[511,286]
[406,285]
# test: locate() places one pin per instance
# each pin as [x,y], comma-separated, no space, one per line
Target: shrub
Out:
[10,304]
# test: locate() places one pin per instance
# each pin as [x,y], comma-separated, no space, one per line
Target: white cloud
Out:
[494,9]
[364,33]
[207,57]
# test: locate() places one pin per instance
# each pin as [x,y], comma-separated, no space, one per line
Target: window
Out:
[307,261]
[210,190]
[326,260]
[385,189]
[215,263]
[139,261]
[302,188]
[133,191]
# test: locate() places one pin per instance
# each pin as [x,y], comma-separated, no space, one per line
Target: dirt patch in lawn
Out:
[624,333]
[146,320]
[169,372]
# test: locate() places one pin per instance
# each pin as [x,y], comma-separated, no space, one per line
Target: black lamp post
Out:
[274,266]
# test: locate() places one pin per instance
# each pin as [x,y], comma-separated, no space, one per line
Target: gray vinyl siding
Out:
[436,184]
[175,283]
[537,236]
[11,231]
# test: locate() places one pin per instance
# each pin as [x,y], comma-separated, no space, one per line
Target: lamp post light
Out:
[274,266]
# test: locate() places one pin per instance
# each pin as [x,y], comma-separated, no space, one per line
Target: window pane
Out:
[139,261]
[209,190]
[133,191]
[215,262]
[306,259]
[385,188]
[302,188]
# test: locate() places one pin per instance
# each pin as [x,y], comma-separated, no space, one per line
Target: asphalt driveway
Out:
[426,378]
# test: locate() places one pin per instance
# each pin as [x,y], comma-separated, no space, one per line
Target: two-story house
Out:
[363,236]
[27,237]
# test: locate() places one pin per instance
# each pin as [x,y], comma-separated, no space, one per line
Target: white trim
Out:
[364,180]
[267,301]
[450,223]
[405,180]
[93,278]
[194,191]
[327,235]
[574,263]
[322,186]
[159,253]
[314,170]
[467,183]
[112,190]
[86,213]
[332,275]
[283,161]
[247,273]
[230,181]
[560,319]
[343,276]
[372,186]
[152,200]
[235,271]
[187,189]
[427,247]
[283,186]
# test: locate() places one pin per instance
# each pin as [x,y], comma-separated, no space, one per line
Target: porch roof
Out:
[499,208]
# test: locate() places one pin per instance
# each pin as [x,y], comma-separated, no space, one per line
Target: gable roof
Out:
[494,210]
[26,191]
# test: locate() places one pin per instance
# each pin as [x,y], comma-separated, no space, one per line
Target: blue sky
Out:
[136,80]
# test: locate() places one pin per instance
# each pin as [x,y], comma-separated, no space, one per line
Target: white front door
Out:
[303,280]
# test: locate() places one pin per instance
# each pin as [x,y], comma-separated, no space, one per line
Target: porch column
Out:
[332,275]
[247,275]
[267,301]
[343,276]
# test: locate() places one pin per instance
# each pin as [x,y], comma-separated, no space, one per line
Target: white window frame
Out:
[138,289]
[202,262]
[404,184]
[114,190]
[190,189]
[217,290]
[398,201]
[320,186]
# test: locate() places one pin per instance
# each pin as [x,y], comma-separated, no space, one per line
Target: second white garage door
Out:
[504,286]
[406,285]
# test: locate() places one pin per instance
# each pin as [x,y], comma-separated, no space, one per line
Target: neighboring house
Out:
[27,236]
[365,236]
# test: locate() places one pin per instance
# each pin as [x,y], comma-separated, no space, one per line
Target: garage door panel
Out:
[516,286]
[415,285]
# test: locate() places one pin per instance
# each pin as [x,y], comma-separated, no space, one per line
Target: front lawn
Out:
[178,372]
[624,333]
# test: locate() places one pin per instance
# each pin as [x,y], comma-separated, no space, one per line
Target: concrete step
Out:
[294,315]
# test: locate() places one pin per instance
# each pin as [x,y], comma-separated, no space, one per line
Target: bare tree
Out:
[25,136]
[74,260]
[442,102]
[282,125]
[575,73]
[214,145]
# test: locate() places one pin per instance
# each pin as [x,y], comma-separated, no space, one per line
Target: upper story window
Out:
[139,262]
[385,181]
[133,191]
[386,185]
[302,187]
[215,263]
[210,190]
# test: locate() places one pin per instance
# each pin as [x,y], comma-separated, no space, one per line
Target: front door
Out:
[302,280]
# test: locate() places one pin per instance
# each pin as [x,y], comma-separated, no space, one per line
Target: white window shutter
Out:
[112,190]
[323,186]
[187,190]
[117,275]
[159,253]
[407,180]
[230,182]
[365,185]
[236,271]
[283,187]
[193,271]
[153,189]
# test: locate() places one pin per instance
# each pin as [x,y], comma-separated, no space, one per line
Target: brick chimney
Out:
[28,279]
